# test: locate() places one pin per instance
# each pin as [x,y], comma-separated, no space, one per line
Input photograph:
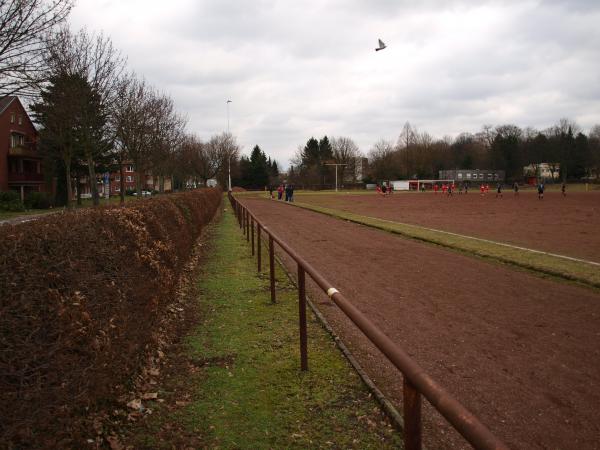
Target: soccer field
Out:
[563,225]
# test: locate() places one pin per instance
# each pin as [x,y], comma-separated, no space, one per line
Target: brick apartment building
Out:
[20,162]
[149,182]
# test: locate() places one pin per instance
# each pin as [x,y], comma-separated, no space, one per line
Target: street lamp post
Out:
[229,159]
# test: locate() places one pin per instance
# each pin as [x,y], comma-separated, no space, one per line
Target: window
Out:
[468,176]
[480,176]
[16,140]
[117,177]
[12,117]
[490,176]
[129,179]
[20,119]
[129,168]
[117,188]
[460,174]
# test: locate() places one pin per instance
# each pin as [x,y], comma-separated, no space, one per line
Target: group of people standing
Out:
[384,188]
[448,189]
[287,189]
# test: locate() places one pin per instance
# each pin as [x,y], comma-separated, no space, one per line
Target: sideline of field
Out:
[554,265]
[242,386]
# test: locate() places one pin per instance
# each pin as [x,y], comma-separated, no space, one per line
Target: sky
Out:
[296,69]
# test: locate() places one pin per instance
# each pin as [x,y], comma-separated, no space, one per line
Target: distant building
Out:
[149,182]
[546,171]
[20,162]
[473,175]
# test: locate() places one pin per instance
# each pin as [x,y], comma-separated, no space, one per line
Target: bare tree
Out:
[487,135]
[220,150]
[406,140]
[345,151]
[408,136]
[167,132]
[134,125]
[201,161]
[381,160]
[24,25]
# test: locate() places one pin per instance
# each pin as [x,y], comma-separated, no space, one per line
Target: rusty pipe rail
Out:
[416,380]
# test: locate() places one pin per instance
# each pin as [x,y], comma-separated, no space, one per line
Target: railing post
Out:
[258,246]
[247,226]
[412,416]
[272,267]
[302,318]
[252,233]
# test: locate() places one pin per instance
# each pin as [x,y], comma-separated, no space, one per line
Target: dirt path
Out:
[521,352]
[568,226]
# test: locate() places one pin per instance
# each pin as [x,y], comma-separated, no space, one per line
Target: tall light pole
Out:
[336,166]
[229,163]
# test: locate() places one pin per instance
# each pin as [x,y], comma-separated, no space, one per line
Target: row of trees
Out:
[313,163]
[257,171]
[563,146]
[568,151]
[94,116]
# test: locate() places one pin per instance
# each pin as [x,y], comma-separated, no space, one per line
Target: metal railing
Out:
[416,381]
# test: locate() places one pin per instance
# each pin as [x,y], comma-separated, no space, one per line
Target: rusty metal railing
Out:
[416,381]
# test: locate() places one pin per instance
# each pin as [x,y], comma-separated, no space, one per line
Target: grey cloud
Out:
[296,70]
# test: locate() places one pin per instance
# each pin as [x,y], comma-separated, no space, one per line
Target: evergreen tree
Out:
[311,153]
[72,125]
[314,156]
[259,168]
[274,170]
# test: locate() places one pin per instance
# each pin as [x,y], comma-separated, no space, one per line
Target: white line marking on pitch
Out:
[490,242]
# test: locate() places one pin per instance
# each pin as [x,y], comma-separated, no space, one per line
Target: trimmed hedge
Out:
[37,200]
[81,293]
[11,201]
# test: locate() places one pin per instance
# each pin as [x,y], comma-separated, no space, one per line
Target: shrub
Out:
[11,201]
[37,200]
[82,295]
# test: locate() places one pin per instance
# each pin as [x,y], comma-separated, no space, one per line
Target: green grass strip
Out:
[546,264]
[5,215]
[250,392]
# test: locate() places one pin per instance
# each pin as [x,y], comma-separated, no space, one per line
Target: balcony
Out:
[24,151]
[25,178]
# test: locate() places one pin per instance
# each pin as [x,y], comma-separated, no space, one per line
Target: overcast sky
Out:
[296,69]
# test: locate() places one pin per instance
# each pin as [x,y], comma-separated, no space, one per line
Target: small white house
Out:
[544,170]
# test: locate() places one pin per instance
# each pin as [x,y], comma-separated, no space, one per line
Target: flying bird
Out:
[381,45]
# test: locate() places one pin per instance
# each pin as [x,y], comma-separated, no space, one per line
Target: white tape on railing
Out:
[331,292]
